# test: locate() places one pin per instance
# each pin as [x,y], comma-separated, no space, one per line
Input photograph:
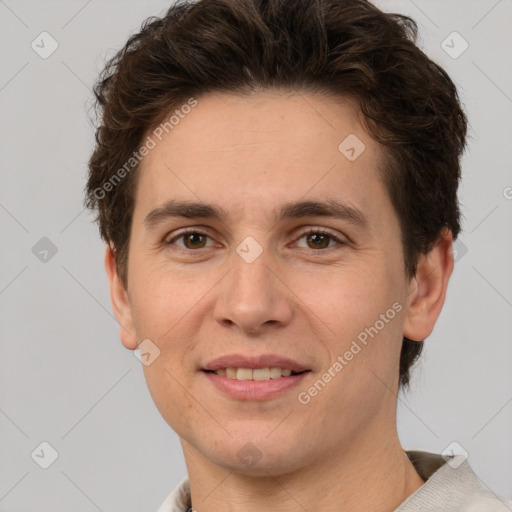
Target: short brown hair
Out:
[346,48]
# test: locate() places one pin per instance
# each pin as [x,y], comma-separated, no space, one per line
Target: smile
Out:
[255,385]
[258,374]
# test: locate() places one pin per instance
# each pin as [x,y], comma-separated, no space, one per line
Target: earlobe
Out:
[120,303]
[427,290]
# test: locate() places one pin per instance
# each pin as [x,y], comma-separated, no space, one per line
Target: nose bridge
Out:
[251,295]
[251,273]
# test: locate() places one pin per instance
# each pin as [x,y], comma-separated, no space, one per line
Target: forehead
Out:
[255,151]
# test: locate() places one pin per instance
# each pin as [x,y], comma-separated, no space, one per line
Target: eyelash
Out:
[314,231]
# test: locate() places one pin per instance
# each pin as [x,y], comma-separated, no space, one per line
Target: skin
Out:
[251,154]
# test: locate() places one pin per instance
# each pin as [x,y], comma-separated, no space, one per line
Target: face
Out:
[303,286]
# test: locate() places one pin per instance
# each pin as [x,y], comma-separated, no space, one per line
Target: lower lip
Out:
[253,389]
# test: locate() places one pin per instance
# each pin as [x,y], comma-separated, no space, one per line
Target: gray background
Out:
[66,379]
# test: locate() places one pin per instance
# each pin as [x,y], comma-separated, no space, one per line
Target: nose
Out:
[254,297]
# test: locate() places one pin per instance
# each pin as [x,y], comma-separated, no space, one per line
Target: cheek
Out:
[161,297]
[347,299]
[358,317]
[164,304]
[168,390]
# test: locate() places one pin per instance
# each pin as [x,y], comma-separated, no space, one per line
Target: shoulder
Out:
[179,499]
[490,503]
[452,486]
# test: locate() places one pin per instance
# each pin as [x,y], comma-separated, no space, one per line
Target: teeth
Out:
[261,374]
[244,374]
[258,374]
[275,373]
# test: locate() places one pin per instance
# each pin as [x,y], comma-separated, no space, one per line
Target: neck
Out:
[375,476]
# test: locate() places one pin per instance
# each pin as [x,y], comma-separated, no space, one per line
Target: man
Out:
[277,185]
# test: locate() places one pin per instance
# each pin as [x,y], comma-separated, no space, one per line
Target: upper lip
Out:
[253,362]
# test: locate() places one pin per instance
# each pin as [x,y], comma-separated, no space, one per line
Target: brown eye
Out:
[318,240]
[192,240]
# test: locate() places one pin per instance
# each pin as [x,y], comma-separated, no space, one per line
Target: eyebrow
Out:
[199,210]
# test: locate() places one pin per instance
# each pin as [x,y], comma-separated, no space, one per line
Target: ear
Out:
[120,302]
[427,290]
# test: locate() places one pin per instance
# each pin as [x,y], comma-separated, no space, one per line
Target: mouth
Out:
[254,377]
[256,374]
[254,384]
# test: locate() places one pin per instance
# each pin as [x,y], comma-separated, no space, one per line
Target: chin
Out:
[258,458]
